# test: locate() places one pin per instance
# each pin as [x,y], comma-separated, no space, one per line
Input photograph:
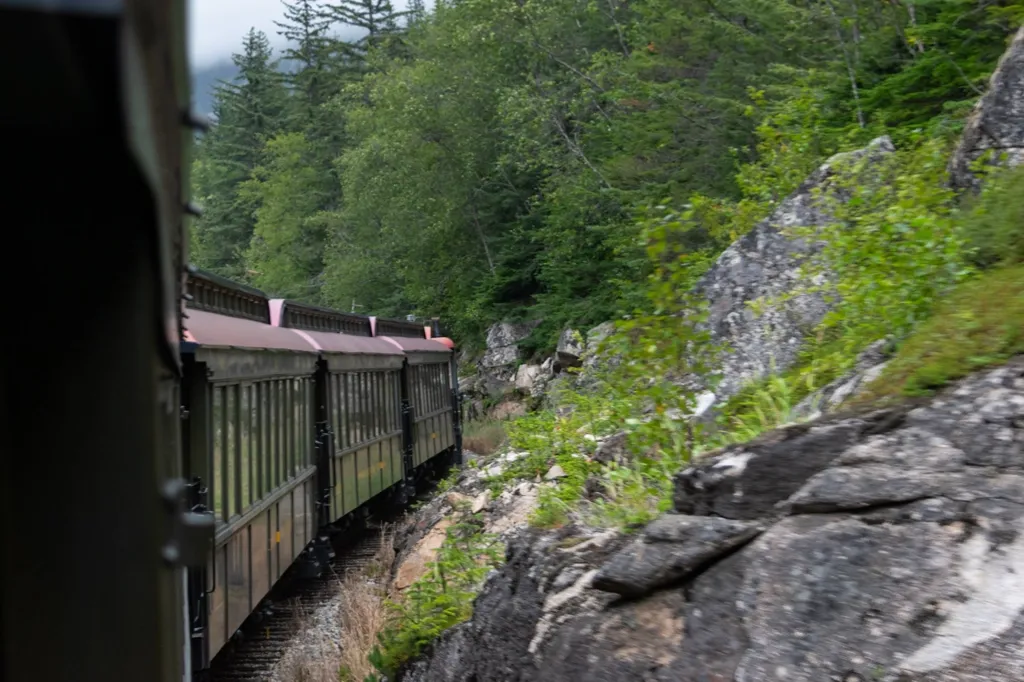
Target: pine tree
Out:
[249,111]
[417,12]
[377,18]
[305,28]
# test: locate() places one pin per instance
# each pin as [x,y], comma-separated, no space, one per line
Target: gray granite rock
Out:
[996,125]
[884,546]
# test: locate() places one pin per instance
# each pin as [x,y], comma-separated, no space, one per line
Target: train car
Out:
[359,397]
[95,120]
[295,419]
[431,415]
[394,413]
[431,402]
[248,398]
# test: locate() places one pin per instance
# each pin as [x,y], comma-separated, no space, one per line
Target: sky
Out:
[216,27]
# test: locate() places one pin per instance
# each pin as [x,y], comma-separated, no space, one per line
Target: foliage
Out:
[488,160]
[249,112]
[895,246]
[891,250]
[994,222]
[762,406]
[442,598]
[980,325]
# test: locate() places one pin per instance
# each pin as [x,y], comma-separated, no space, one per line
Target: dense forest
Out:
[497,159]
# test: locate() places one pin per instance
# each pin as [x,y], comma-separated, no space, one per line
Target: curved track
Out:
[269,632]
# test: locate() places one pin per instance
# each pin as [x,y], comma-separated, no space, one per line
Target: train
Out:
[174,441]
[295,419]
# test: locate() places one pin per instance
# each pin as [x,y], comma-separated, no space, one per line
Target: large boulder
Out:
[503,341]
[765,265]
[570,349]
[883,546]
[997,123]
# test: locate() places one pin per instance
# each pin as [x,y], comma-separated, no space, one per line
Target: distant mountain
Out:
[204,80]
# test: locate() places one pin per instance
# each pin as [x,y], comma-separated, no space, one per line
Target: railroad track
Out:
[270,631]
[267,634]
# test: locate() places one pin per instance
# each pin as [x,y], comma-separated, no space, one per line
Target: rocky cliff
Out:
[883,545]
[995,127]
[878,546]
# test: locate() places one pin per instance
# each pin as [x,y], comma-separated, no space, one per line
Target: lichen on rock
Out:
[883,545]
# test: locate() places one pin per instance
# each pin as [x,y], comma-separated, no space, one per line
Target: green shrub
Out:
[443,597]
[981,324]
[994,222]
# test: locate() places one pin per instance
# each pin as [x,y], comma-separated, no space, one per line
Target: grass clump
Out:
[980,325]
[363,608]
[994,225]
[440,599]
[484,437]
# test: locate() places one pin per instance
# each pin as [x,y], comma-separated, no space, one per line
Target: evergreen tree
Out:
[489,159]
[248,111]
[377,18]
[417,12]
[305,29]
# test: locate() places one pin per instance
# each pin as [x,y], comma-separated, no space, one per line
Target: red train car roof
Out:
[221,331]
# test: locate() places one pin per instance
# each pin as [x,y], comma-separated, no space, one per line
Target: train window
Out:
[375,412]
[382,403]
[414,389]
[304,421]
[310,419]
[386,379]
[299,461]
[216,490]
[428,388]
[370,417]
[367,424]
[231,452]
[396,381]
[293,427]
[360,409]
[426,379]
[371,399]
[268,417]
[442,385]
[386,382]
[346,408]
[272,423]
[245,412]
[388,425]
[300,432]
[257,437]
[396,387]
[364,407]
[297,409]
[277,404]
[307,420]
[340,420]
[287,440]
[432,387]
[353,408]
[343,419]
[346,411]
